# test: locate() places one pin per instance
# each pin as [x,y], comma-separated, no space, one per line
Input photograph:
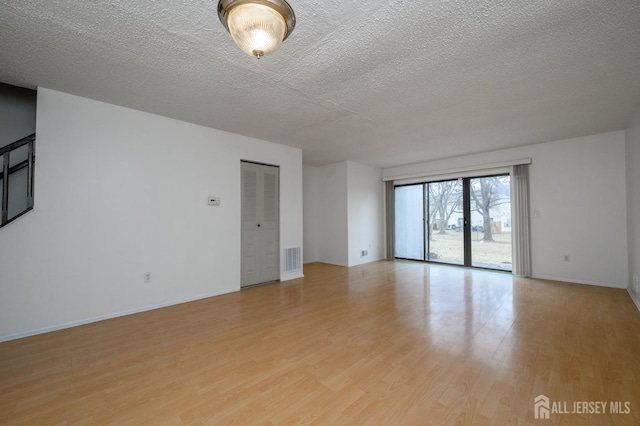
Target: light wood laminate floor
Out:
[385,343]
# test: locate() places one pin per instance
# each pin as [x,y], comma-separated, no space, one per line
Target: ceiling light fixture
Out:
[258,27]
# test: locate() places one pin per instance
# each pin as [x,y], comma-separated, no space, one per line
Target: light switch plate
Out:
[213,201]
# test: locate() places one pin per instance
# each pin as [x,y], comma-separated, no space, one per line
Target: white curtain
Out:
[391,219]
[521,228]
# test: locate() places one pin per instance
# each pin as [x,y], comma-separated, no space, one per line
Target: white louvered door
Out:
[260,231]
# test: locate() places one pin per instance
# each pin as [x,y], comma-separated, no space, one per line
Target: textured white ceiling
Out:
[379,82]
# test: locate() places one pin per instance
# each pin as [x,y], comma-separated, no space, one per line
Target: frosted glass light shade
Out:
[258,27]
[257,30]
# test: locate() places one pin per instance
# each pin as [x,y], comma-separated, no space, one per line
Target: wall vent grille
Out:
[291,259]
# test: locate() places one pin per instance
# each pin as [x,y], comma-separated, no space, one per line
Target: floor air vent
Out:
[291,259]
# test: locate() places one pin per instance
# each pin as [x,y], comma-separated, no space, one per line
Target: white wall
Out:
[310,209]
[633,205]
[118,193]
[578,186]
[332,214]
[343,204]
[365,213]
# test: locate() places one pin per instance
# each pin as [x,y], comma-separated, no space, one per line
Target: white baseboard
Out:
[363,261]
[57,327]
[635,298]
[565,280]
[291,276]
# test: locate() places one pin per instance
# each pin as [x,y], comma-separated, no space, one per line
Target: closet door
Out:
[260,230]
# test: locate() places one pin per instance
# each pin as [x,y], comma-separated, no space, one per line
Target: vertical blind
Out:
[521,231]
[391,218]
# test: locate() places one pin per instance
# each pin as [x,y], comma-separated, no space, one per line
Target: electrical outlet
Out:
[213,201]
[566,258]
[147,277]
[364,253]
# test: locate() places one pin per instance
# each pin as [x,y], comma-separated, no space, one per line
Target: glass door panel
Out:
[491,222]
[409,222]
[445,231]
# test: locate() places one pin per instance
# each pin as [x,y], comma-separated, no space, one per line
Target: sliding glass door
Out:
[461,222]
[491,222]
[445,222]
